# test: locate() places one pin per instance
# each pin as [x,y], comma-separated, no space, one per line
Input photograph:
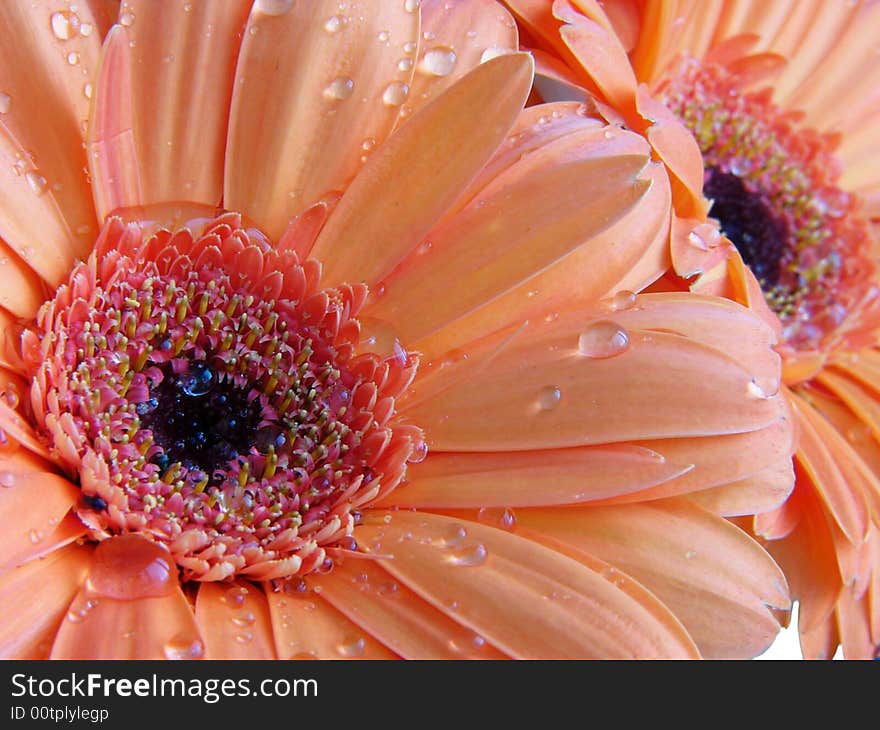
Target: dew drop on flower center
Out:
[206,392]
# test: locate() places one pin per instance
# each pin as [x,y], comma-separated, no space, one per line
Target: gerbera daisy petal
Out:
[305,626]
[457,38]
[176,52]
[305,78]
[29,626]
[33,503]
[533,478]
[761,492]
[475,258]
[492,580]
[404,622]
[131,607]
[48,57]
[362,241]
[718,581]
[23,290]
[234,621]
[586,377]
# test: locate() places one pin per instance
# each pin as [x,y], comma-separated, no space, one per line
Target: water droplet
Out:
[419,452]
[410,47]
[690,554]
[87,91]
[5,103]
[273,7]
[438,61]
[549,398]
[389,590]
[245,637]
[197,380]
[395,93]
[756,390]
[502,517]
[7,479]
[339,89]
[64,25]
[404,64]
[245,619]
[35,536]
[621,301]
[603,339]
[493,52]
[184,646]
[411,5]
[455,536]
[333,24]
[73,58]
[128,567]
[469,556]
[352,646]
[383,36]
[36,182]
[85,30]
[126,18]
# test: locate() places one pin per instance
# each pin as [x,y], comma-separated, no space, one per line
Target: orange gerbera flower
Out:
[782,99]
[319,345]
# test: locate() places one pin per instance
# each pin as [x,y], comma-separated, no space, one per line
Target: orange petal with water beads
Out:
[131,607]
[305,626]
[33,503]
[34,599]
[404,622]
[720,583]
[406,186]
[541,390]
[234,621]
[317,74]
[495,583]
[457,37]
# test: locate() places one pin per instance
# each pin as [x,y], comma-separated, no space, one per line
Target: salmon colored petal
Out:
[131,607]
[808,558]
[761,492]
[316,88]
[408,182]
[174,52]
[526,599]
[821,641]
[719,460]
[592,377]
[33,503]
[22,290]
[819,442]
[525,221]
[457,38]
[35,597]
[719,582]
[305,626]
[18,429]
[234,621]
[532,478]
[50,54]
[408,625]
[854,626]
[601,55]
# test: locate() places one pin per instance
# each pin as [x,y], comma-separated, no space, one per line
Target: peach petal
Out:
[21,289]
[761,492]
[176,52]
[720,583]
[494,244]
[532,478]
[457,38]
[546,388]
[234,620]
[306,81]
[48,218]
[47,587]
[408,625]
[305,626]
[364,240]
[496,583]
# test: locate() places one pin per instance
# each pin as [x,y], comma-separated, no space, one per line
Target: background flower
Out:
[547,462]
[782,99]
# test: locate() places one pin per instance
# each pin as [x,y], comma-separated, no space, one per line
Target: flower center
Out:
[207,393]
[773,186]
